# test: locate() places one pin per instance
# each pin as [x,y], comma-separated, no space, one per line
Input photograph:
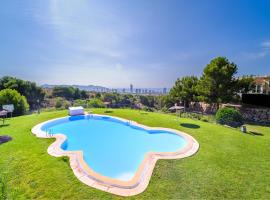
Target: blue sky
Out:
[149,43]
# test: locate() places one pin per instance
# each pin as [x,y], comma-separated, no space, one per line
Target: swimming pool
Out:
[113,152]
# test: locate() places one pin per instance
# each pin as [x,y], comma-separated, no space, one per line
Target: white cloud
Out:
[265,44]
[255,55]
[261,53]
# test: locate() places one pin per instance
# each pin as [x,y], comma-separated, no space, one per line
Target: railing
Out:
[49,133]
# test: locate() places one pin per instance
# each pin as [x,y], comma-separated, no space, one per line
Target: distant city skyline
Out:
[146,43]
[130,90]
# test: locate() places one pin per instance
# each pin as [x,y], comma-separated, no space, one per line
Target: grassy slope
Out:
[228,165]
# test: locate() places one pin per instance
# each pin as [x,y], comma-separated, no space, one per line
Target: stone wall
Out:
[250,114]
[259,115]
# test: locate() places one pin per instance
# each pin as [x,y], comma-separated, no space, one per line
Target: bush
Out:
[80,102]
[204,119]
[191,115]
[10,96]
[96,103]
[61,103]
[148,109]
[229,116]
[66,104]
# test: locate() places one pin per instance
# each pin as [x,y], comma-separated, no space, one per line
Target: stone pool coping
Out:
[123,188]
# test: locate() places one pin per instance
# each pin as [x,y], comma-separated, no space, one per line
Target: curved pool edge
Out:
[123,188]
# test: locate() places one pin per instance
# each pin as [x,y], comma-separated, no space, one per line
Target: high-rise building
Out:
[164,90]
[131,88]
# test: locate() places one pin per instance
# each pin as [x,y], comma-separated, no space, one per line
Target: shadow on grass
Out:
[108,111]
[3,125]
[4,139]
[255,133]
[187,125]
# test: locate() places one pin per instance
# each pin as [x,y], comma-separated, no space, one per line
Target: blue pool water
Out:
[112,147]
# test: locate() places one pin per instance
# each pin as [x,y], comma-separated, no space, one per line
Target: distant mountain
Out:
[92,88]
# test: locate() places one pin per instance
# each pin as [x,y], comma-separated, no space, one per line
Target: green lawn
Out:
[228,165]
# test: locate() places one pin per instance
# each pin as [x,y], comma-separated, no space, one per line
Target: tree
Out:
[84,94]
[185,89]
[245,84]
[10,96]
[160,102]
[169,101]
[148,100]
[126,100]
[69,93]
[144,100]
[77,94]
[218,84]
[98,95]
[113,98]
[65,92]
[30,90]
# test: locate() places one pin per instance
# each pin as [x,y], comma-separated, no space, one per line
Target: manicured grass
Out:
[229,164]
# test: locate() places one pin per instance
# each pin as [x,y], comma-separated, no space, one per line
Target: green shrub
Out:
[148,109]
[61,103]
[80,102]
[204,119]
[96,103]
[190,115]
[164,109]
[10,96]
[66,104]
[229,116]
